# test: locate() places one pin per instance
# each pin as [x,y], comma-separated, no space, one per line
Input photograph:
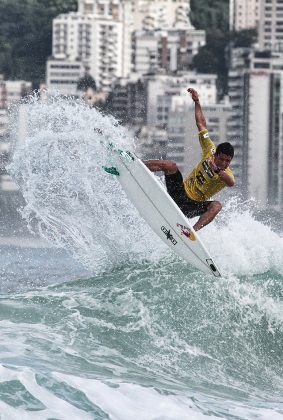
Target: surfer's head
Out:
[223,155]
[225,148]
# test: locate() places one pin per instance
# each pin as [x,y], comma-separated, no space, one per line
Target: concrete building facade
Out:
[255,128]
[244,14]
[271,25]
[265,133]
[237,124]
[12,91]
[170,50]
[161,14]
[62,75]
[128,102]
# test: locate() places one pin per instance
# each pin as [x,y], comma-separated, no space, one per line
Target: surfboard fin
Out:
[111,170]
[123,153]
[126,154]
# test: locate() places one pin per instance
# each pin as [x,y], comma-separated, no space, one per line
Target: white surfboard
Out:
[160,211]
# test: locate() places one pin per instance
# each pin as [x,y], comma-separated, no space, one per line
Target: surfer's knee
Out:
[215,206]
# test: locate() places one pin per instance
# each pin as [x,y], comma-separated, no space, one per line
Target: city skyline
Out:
[142,51]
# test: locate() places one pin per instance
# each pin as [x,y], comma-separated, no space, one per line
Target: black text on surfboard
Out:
[169,235]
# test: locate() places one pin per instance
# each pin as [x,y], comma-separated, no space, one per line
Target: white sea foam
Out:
[54,407]
[240,243]
[124,401]
[71,201]
[255,298]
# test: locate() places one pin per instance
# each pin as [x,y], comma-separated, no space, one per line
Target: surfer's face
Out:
[222,161]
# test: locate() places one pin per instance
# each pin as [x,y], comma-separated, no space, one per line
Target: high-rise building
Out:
[265,128]
[239,64]
[244,14]
[256,125]
[98,36]
[271,25]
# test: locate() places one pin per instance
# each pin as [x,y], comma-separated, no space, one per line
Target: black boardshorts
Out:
[175,188]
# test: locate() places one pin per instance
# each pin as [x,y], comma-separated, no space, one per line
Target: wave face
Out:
[107,323]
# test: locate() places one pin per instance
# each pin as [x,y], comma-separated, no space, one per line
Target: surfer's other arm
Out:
[200,120]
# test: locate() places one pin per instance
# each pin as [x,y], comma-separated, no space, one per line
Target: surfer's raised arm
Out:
[200,120]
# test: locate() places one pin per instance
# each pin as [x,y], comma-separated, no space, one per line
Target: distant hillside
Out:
[26,36]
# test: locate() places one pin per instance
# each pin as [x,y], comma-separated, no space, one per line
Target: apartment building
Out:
[63,75]
[147,14]
[265,131]
[271,25]
[255,128]
[98,36]
[170,50]
[244,14]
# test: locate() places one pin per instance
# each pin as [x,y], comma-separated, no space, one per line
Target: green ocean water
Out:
[106,323]
[146,341]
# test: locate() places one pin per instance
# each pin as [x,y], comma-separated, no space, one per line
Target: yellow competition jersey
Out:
[202,182]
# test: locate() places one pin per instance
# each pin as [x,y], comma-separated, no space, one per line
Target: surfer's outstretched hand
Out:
[194,94]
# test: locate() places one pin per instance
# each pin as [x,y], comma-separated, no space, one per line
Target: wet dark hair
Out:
[225,148]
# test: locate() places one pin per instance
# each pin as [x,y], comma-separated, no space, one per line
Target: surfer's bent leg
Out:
[169,167]
[207,217]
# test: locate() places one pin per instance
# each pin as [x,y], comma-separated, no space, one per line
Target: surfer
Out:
[210,175]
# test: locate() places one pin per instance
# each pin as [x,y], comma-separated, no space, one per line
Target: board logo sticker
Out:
[169,235]
[186,232]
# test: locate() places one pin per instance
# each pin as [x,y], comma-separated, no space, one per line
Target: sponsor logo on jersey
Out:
[206,136]
[186,232]
[207,169]
[169,235]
